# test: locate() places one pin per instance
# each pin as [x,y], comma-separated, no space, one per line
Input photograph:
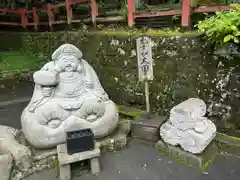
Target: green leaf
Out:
[236,40]
[234,28]
[228,38]
[222,27]
[238,34]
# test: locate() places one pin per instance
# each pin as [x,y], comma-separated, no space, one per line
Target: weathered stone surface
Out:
[228,144]
[228,140]
[9,145]
[147,128]
[118,139]
[95,166]
[6,163]
[44,162]
[67,96]
[66,159]
[65,172]
[26,159]
[200,162]
[43,154]
[188,127]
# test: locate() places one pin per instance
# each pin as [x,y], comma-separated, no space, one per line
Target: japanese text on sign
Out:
[145,61]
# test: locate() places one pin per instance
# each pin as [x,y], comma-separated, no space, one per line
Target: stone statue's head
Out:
[67,58]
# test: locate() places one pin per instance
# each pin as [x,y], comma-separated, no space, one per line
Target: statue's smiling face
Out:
[68,63]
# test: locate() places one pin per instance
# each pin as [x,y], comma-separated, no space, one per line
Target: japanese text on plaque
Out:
[145,61]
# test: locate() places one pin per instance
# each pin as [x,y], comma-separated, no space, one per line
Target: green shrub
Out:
[222,28]
[17,62]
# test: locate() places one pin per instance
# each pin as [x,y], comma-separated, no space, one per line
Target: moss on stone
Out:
[149,32]
[121,32]
[200,162]
[131,112]
[55,164]
[228,140]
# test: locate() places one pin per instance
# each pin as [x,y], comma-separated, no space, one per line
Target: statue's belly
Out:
[71,103]
[70,89]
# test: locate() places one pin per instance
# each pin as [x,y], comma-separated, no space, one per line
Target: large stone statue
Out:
[67,96]
[188,127]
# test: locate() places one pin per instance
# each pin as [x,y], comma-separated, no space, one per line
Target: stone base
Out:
[147,128]
[228,144]
[118,139]
[200,162]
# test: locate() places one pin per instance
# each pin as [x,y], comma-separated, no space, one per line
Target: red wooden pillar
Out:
[35,18]
[186,13]
[69,11]
[50,15]
[94,11]
[131,11]
[24,19]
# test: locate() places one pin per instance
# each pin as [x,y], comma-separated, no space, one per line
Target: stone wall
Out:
[183,68]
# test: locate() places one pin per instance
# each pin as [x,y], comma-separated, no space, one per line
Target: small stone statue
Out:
[188,127]
[67,96]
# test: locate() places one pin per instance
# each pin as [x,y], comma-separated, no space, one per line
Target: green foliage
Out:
[126,32]
[17,62]
[222,28]
[124,9]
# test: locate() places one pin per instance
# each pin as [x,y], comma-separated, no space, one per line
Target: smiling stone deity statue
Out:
[67,96]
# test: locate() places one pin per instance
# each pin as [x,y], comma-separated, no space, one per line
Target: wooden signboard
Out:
[145,64]
[144,56]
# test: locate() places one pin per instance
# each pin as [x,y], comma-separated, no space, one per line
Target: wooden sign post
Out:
[145,64]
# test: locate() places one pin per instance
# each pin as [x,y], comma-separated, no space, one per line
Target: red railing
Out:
[185,12]
[19,12]
[49,9]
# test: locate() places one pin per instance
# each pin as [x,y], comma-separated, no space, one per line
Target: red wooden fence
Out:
[185,13]
[49,9]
